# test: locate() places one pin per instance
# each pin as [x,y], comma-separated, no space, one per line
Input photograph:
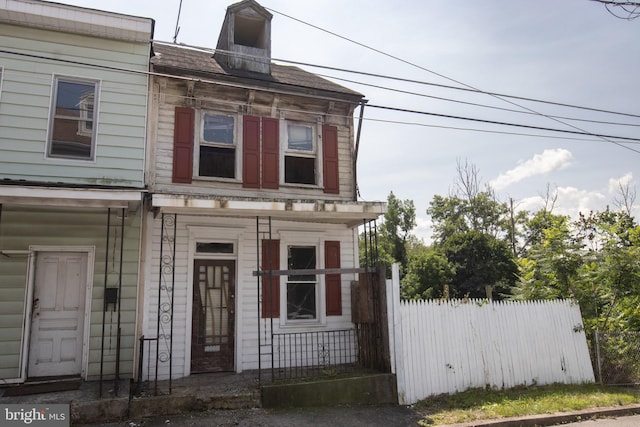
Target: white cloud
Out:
[548,161]
[616,183]
[569,201]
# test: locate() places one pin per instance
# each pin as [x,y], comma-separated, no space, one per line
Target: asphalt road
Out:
[632,421]
[337,416]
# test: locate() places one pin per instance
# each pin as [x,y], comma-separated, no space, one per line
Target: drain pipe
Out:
[355,157]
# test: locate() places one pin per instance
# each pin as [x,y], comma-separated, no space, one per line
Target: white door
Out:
[57,322]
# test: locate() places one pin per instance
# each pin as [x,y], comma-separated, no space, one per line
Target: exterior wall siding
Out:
[171,93]
[243,233]
[26,98]
[25,227]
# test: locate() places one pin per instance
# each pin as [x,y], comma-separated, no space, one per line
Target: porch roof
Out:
[70,197]
[338,212]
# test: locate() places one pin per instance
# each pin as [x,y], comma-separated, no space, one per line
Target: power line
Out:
[583,133]
[443,76]
[474,104]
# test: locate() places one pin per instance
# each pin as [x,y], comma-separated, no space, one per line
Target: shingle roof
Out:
[198,63]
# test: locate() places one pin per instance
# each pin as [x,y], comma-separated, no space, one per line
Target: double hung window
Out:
[217,152]
[72,133]
[301,294]
[300,155]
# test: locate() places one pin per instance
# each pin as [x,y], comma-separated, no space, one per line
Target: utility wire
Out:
[443,76]
[474,104]
[405,80]
[583,133]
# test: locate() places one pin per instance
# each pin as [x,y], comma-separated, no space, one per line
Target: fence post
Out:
[596,341]
[395,322]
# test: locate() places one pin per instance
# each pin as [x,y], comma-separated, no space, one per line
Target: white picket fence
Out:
[447,347]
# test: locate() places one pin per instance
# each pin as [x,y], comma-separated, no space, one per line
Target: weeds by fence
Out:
[617,357]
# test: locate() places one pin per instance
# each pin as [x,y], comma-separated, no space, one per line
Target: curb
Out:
[554,419]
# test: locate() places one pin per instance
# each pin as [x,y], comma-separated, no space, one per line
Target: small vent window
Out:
[214,248]
[249,32]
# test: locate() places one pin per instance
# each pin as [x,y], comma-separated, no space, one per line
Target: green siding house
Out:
[73,114]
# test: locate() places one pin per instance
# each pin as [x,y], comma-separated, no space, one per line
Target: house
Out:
[73,109]
[250,239]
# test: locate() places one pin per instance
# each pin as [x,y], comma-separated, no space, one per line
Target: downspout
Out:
[355,157]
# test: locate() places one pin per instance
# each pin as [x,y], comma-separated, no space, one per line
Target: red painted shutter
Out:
[270,285]
[330,159]
[333,282]
[251,152]
[270,153]
[183,129]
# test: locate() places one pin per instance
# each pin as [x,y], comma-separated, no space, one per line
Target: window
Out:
[301,288]
[73,119]
[214,248]
[300,155]
[217,154]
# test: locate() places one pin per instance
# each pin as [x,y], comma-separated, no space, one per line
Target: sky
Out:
[571,52]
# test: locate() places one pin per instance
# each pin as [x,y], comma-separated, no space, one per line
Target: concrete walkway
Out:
[195,393]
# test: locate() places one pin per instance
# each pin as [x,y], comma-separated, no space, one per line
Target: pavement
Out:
[236,397]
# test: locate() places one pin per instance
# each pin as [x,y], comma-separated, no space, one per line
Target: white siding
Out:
[219,99]
[243,233]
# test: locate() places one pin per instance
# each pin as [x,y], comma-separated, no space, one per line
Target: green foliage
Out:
[428,275]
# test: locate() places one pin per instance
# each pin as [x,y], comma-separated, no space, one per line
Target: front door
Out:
[58,310]
[212,332]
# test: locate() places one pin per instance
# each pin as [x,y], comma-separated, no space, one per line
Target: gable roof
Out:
[244,4]
[190,62]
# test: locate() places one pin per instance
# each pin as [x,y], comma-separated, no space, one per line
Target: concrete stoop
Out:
[356,390]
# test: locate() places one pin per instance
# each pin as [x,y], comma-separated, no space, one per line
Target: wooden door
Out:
[58,310]
[213,320]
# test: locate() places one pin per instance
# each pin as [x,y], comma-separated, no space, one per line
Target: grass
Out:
[480,404]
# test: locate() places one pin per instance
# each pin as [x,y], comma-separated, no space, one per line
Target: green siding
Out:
[26,97]
[22,227]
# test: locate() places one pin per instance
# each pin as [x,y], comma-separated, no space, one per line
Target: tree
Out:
[395,230]
[429,275]
[394,233]
[473,231]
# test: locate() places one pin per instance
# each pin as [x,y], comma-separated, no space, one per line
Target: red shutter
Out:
[333,282]
[251,152]
[330,159]
[183,129]
[270,153]
[270,284]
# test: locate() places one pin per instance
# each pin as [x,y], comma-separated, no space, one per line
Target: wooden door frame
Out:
[211,233]
[34,250]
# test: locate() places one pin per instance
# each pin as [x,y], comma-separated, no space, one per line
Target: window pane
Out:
[74,116]
[301,300]
[302,258]
[300,137]
[300,170]
[214,248]
[217,161]
[217,128]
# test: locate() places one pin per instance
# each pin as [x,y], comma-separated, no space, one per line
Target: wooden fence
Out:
[451,346]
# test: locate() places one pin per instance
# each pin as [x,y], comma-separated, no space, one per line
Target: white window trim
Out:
[316,153]
[298,238]
[237,144]
[1,81]
[52,107]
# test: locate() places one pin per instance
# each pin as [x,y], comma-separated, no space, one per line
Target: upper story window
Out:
[72,132]
[217,150]
[300,155]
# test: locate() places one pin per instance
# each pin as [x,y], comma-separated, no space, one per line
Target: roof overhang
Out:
[78,20]
[351,214]
[70,197]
